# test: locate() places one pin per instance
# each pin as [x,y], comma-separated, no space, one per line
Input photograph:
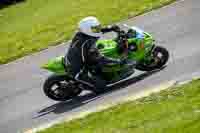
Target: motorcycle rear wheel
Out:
[60,88]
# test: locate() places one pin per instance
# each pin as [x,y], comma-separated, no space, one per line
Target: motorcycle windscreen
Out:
[55,65]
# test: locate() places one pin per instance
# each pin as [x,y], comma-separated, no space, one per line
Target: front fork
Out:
[149,55]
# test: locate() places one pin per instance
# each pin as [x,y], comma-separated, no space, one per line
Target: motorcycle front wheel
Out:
[60,88]
[160,57]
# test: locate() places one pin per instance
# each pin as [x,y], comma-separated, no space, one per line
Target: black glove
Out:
[115,28]
[109,28]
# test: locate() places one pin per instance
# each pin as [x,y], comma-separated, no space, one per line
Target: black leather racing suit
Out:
[83,53]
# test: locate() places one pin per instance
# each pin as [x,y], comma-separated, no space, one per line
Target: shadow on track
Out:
[66,106]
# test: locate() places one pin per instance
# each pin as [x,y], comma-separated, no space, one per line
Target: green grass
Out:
[36,24]
[175,110]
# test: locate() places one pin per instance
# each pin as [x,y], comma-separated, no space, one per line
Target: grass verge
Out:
[34,25]
[175,110]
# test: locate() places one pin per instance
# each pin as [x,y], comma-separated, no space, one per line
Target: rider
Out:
[83,52]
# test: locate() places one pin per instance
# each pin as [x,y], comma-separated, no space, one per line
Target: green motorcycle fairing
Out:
[56,65]
[109,48]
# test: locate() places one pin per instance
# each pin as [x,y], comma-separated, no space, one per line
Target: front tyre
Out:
[60,88]
[160,58]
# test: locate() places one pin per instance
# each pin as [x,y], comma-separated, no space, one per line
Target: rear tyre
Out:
[160,58]
[61,88]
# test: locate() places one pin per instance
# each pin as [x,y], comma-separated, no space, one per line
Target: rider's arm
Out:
[95,57]
[114,28]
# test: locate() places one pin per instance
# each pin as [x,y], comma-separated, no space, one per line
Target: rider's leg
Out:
[97,83]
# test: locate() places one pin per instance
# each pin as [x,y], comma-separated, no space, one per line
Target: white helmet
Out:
[90,26]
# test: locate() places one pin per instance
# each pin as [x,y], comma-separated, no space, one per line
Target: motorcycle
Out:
[61,86]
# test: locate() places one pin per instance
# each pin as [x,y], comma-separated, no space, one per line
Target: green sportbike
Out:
[61,86]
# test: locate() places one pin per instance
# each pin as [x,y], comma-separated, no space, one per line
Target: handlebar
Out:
[121,35]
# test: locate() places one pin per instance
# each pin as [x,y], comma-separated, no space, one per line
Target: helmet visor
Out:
[96,29]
